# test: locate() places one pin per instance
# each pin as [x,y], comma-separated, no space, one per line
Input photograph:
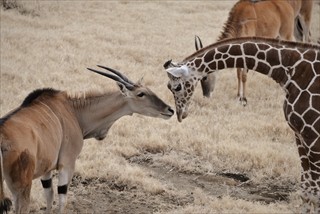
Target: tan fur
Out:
[303,10]
[47,131]
[263,18]
[31,142]
[272,19]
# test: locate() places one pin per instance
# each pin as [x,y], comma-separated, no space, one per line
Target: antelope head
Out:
[139,98]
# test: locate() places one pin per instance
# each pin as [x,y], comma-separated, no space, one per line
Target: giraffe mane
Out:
[253,39]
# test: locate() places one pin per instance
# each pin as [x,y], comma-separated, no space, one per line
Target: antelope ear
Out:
[123,89]
[140,81]
[178,71]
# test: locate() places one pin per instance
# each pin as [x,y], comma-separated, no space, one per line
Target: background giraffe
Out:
[295,66]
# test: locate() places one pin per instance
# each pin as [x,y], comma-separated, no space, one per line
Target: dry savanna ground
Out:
[224,158]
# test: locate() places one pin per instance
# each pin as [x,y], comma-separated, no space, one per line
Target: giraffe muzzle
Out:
[181,115]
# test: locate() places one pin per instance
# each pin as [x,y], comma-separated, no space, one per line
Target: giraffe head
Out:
[182,83]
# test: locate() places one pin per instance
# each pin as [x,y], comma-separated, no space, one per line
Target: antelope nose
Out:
[171,110]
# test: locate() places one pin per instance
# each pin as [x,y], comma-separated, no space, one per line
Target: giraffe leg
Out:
[317,206]
[314,157]
[305,175]
[310,176]
[306,204]
[315,200]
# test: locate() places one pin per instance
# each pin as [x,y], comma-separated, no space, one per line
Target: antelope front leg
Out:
[239,82]
[19,180]
[21,198]
[65,176]
[242,78]
[244,73]
[46,182]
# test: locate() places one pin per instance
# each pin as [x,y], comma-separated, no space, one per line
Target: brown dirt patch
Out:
[99,195]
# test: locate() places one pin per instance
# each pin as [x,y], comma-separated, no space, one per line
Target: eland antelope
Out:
[47,130]
[287,20]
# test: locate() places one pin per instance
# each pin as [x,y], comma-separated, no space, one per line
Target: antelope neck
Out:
[98,114]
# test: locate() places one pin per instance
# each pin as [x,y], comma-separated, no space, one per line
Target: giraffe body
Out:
[295,66]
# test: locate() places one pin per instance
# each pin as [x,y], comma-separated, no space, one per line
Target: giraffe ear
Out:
[178,71]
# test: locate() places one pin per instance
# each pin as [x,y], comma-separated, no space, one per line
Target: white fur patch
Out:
[178,71]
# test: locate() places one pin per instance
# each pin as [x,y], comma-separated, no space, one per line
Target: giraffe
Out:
[295,66]
[288,20]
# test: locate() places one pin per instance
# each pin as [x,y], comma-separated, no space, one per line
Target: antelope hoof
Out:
[243,101]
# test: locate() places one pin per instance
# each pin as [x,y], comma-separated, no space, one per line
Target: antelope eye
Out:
[169,86]
[178,88]
[141,94]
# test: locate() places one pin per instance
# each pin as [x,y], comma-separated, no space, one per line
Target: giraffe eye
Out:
[178,88]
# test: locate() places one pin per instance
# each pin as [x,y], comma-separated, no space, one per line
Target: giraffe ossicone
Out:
[295,66]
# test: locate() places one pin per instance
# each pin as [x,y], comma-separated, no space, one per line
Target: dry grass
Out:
[51,43]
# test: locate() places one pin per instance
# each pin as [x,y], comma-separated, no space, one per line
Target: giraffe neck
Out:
[282,61]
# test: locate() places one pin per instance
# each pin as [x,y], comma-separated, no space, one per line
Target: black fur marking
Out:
[63,189]
[255,1]
[37,93]
[6,117]
[167,64]
[28,100]
[46,183]
[5,205]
